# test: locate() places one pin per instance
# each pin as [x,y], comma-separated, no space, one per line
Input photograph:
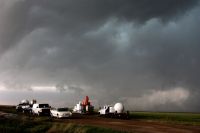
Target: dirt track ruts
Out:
[138,126]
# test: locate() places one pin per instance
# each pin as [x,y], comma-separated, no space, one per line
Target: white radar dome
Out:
[119,107]
[24,101]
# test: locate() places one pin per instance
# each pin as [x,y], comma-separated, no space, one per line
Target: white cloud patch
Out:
[159,98]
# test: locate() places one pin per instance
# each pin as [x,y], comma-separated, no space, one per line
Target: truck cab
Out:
[107,109]
[41,109]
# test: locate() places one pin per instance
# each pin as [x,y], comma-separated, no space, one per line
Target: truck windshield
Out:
[43,105]
[62,109]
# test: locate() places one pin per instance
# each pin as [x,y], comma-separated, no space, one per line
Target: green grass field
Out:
[7,109]
[29,124]
[24,124]
[179,118]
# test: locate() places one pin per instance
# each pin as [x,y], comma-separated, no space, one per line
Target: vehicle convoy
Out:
[41,109]
[84,107]
[60,112]
[116,111]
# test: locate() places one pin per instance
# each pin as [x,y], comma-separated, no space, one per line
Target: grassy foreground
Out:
[178,118]
[29,124]
[24,124]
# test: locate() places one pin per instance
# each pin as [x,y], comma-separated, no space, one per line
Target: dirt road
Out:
[138,126]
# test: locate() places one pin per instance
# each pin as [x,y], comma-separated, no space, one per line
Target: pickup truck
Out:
[41,109]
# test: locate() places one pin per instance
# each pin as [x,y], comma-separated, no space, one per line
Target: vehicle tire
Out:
[51,114]
[30,112]
[99,114]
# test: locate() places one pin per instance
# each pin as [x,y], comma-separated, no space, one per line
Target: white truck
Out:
[41,109]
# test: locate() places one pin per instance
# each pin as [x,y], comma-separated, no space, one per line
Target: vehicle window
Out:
[53,109]
[62,109]
[43,105]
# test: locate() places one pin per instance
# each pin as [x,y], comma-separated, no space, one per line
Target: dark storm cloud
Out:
[109,49]
[13,16]
[21,16]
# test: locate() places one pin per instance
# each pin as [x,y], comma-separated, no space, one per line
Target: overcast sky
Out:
[144,53]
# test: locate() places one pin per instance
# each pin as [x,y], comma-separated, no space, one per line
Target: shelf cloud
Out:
[107,49]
